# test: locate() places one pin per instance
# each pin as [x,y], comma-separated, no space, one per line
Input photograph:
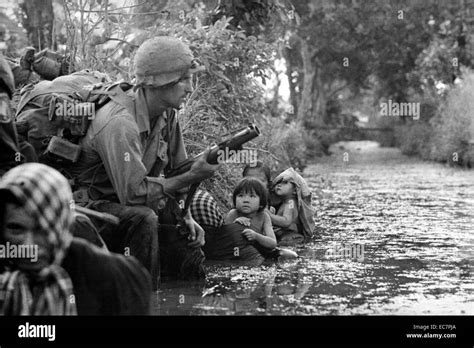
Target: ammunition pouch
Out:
[68,113]
[61,151]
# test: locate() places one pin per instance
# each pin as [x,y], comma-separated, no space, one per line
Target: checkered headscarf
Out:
[204,209]
[46,195]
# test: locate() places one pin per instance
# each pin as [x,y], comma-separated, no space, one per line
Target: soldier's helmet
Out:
[163,60]
[6,77]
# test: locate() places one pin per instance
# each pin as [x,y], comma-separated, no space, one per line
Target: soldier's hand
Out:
[196,236]
[201,169]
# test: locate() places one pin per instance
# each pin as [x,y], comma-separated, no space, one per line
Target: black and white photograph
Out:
[306,161]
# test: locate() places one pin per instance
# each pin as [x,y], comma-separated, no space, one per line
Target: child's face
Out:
[258,174]
[247,202]
[284,189]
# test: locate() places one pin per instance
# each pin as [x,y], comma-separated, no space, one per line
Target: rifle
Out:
[233,143]
[112,219]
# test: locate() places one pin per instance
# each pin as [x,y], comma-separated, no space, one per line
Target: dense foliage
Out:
[228,95]
[335,53]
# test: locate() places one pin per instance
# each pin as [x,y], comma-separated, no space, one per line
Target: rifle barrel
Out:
[233,143]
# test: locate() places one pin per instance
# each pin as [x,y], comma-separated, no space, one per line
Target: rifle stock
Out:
[234,143]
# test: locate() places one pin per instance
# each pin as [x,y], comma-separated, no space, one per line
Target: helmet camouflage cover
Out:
[163,60]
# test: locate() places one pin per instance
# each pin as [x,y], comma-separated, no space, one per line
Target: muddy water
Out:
[395,236]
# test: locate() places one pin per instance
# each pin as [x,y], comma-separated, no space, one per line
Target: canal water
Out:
[395,237]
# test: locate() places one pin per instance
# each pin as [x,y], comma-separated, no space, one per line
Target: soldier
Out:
[9,147]
[127,150]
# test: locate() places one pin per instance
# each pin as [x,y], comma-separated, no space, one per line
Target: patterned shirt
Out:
[124,155]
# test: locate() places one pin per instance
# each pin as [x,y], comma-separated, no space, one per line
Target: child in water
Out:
[259,171]
[285,219]
[262,172]
[250,199]
[294,217]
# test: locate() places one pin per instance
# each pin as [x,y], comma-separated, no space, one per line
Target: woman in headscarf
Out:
[43,269]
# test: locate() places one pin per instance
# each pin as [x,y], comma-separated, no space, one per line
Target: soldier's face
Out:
[175,95]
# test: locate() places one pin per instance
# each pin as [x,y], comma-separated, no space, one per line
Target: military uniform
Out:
[9,147]
[120,171]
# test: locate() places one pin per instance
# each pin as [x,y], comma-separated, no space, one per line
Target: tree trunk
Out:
[276,95]
[305,104]
[38,23]
[291,66]
[318,102]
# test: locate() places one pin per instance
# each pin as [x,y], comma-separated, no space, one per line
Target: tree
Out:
[340,45]
[38,22]
[330,51]
[440,62]
[267,20]
[264,18]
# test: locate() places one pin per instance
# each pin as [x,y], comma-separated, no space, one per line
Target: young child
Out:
[259,171]
[294,217]
[262,172]
[250,199]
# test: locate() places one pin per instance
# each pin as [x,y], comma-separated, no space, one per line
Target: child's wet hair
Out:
[250,184]
[259,165]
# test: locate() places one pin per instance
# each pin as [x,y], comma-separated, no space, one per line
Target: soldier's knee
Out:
[147,219]
[147,223]
[149,216]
